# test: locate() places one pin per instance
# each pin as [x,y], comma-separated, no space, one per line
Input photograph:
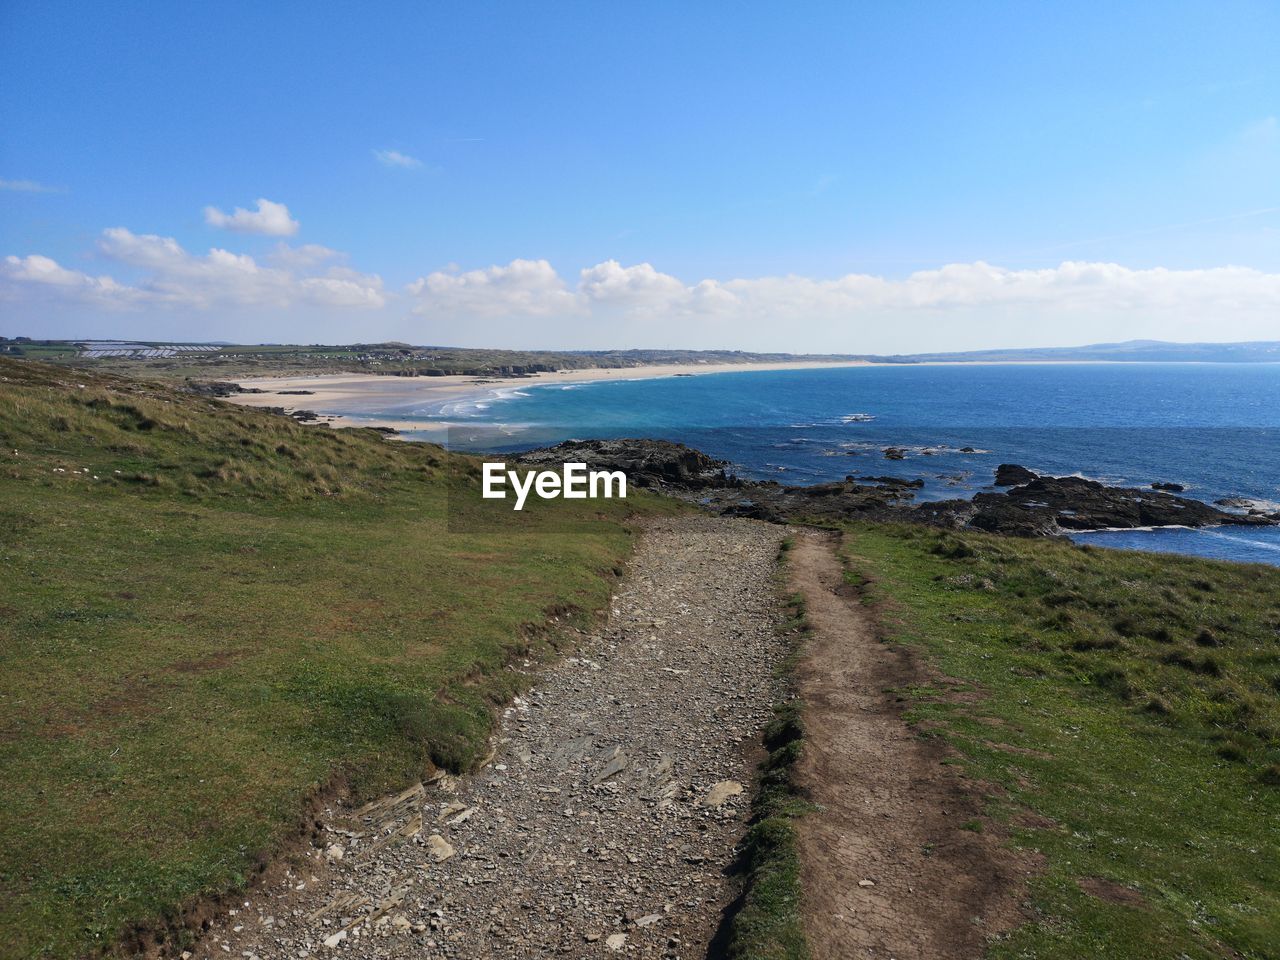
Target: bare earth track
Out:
[888,871]
[607,819]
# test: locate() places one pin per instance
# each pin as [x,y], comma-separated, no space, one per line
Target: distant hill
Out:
[232,361]
[1134,351]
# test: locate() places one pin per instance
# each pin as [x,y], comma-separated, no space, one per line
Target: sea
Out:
[1212,428]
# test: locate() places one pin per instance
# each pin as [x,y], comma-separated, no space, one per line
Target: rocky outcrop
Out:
[822,501]
[682,471]
[899,482]
[216,388]
[1033,506]
[1051,506]
[1012,475]
[647,463]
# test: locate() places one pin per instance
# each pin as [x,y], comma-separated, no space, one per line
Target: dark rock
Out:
[915,484]
[823,501]
[647,463]
[753,511]
[1013,475]
[1034,506]
[1168,487]
[1048,506]
[895,453]
[217,388]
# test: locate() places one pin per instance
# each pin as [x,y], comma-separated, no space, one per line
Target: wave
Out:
[1258,544]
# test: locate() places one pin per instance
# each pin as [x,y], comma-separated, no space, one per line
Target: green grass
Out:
[767,924]
[208,614]
[1126,728]
[249,360]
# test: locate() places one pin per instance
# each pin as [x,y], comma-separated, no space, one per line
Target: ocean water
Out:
[1214,428]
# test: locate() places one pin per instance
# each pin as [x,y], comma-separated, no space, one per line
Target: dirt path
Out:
[888,869]
[606,819]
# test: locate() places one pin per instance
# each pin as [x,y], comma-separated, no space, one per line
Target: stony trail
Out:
[607,818]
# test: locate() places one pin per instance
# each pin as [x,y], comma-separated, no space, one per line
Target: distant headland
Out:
[227,360]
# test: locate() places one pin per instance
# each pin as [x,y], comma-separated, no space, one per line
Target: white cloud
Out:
[304,257]
[394,158]
[270,219]
[640,286]
[29,186]
[527,303]
[530,288]
[949,307]
[173,278]
[45,276]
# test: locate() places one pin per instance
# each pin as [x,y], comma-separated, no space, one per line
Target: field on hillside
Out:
[1124,711]
[208,614]
[239,361]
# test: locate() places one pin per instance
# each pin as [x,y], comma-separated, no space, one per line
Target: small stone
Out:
[617,761]
[722,791]
[616,941]
[866,883]
[451,809]
[336,939]
[463,817]
[438,848]
[334,852]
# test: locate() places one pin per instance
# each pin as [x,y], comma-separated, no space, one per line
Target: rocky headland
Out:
[1052,506]
[1027,505]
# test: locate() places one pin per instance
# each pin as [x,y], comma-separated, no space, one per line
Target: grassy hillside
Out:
[1127,723]
[391,359]
[209,613]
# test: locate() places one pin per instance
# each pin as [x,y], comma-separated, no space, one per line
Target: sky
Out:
[826,177]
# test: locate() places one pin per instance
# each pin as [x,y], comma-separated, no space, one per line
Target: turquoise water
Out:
[1214,428]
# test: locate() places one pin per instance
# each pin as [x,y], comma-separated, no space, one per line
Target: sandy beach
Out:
[361,400]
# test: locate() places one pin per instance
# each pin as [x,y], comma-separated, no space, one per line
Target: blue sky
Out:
[766,176]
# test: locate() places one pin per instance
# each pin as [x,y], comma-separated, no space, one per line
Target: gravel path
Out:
[605,821]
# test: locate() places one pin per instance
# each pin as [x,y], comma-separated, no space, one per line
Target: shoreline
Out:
[365,398]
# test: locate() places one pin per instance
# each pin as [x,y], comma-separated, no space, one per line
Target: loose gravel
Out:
[607,819]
